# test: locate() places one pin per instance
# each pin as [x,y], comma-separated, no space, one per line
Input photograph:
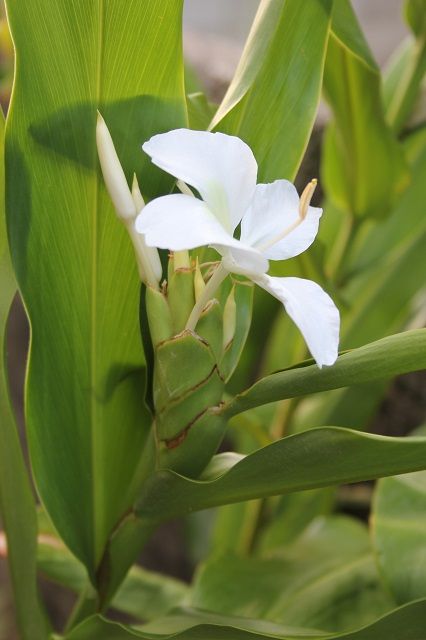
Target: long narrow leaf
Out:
[17,504]
[405,623]
[273,98]
[397,354]
[363,166]
[316,458]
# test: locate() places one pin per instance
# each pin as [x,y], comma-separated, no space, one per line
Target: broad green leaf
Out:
[399,530]
[86,419]
[378,360]
[406,623]
[363,167]
[273,98]
[292,515]
[315,458]
[327,579]
[200,110]
[17,506]
[145,595]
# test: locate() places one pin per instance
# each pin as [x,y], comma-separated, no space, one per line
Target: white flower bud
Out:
[113,173]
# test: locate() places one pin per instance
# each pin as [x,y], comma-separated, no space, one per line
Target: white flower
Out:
[275,225]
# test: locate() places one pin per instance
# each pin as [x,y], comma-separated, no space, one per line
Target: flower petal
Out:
[180,222]
[312,310]
[275,208]
[242,259]
[222,168]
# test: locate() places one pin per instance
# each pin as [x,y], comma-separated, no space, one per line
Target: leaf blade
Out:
[69,250]
[295,463]
[397,354]
[17,505]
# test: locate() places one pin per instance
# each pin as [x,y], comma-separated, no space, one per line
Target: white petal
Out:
[242,259]
[275,208]
[180,222]
[312,310]
[222,168]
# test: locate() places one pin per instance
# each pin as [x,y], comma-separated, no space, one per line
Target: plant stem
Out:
[215,281]
[86,605]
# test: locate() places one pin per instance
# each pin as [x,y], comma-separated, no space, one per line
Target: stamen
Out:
[306,197]
[183,188]
[305,200]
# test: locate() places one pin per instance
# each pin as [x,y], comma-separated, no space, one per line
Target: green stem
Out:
[213,284]
[86,605]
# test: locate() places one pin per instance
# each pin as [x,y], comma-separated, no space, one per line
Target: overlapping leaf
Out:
[363,166]
[399,518]
[326,579]
[17,504]
[272,100]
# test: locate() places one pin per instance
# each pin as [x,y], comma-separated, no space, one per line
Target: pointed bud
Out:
[199,284]
[229,319]
[136,194]
[113,173]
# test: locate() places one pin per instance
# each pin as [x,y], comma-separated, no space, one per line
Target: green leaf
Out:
[327,580]
[406,623]
[191,625]
[399,518]
[200,110]
[145,595]
[363,167]
[17,506]
[86,420]
[295,463]
[273,98]
[403,81]
[415,14]
[384,358]
[293,513]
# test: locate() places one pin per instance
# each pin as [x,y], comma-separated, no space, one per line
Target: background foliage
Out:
[292,561]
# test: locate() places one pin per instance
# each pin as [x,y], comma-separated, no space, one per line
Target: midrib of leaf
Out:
[97,492]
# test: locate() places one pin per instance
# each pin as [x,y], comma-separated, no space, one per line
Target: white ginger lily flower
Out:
[275,225]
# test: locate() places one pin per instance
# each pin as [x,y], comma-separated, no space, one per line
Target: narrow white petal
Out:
[275,208]
[312,310]
[222,168]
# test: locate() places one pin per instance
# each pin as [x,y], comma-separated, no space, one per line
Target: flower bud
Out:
[113,173]
[199,284]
